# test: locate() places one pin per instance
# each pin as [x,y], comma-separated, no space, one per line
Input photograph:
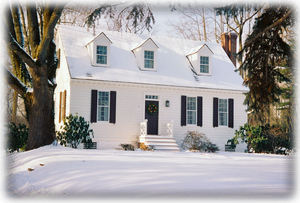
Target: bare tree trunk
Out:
[14,107]
[204,25]
[221,24]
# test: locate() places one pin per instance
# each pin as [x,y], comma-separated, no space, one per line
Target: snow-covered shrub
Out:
[195,141]
[17,137]
[74,131]
[127,147]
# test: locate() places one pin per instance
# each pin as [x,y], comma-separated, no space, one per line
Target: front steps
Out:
[160,143]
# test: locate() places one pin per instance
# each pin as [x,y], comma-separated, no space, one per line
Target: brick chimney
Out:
[229,45]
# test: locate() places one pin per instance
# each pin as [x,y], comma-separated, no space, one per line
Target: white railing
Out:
[143,128]
[170,128]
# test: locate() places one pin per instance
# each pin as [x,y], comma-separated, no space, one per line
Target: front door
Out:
[151,114]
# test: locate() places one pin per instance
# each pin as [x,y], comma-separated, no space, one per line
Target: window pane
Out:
[223,105]
[204,68]
[102,50]
[204,60]
[149,55]
[103,98]
[223,112]
[222,118]
[191,103]
[191,117]
[103,113]
[148,63]
[204,64]
[101,59]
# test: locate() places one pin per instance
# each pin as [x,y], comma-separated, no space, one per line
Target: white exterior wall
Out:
[63,83]
[130,108]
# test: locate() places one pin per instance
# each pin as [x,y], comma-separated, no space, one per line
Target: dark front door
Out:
[151,114]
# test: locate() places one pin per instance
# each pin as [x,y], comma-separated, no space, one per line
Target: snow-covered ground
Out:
[70,172]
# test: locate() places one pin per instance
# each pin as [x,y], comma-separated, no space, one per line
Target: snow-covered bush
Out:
[196,141]
[127,147]
[74,131]
[17,137]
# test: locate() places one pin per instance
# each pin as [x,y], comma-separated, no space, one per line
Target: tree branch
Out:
[278,22]
[15,83]
[33,29]
[16,48]
[48,35]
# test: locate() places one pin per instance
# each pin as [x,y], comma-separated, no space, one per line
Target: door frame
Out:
[159,108]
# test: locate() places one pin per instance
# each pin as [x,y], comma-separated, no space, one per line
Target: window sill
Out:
[100,65]
[204,74]
[148,69]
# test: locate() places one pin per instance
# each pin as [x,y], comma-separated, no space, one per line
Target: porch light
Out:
[167,103]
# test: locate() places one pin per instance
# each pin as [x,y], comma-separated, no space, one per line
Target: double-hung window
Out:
[149,59]
[223,112]
[204,64]
[103,106]
[191,110]
[101,55]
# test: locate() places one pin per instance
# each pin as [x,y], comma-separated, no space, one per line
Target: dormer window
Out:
[101,55]
[201,59]
[99,50]
[149,59]
[146,54]
[204,64]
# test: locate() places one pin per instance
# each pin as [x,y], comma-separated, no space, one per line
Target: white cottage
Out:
[148,89]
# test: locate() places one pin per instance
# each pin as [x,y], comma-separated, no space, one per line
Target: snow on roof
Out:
[173,68]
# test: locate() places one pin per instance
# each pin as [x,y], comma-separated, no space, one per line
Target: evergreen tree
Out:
[130,18]
[265,49]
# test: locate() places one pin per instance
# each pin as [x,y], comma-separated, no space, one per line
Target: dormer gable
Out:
[200,60]
[99,50]
[146,55]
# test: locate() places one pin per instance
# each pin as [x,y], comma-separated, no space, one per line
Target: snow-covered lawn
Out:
[107,173]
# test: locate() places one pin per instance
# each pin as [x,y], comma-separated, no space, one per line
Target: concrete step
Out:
[160,143]
[157,140]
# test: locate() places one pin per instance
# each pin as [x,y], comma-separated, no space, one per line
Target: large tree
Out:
[34,66]
[265,52]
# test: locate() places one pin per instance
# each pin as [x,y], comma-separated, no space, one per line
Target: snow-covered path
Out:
[93,172]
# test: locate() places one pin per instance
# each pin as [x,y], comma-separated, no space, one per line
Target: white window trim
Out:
[223,112]
[186,110]
[107,55]
[108,116]
[148,59]
[209,66]
[102,55]
[143,60]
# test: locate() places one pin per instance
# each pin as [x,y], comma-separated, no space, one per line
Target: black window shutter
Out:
[94,106]
[199,111]
[183,110]
[230,112]
[215,112]
[112,110]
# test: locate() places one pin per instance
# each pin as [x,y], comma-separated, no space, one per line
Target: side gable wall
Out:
[63,83]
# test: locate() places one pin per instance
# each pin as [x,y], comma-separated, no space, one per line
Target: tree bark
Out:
[41,122]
